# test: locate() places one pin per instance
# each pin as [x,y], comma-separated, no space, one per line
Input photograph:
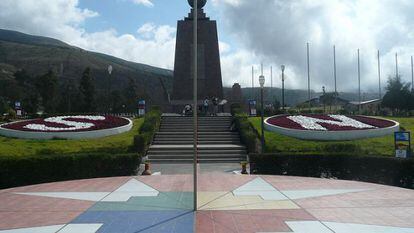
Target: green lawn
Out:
[118,143]
[383,146]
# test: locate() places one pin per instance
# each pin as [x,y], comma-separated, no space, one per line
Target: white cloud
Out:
[277,32]
[63,19]
[146,3]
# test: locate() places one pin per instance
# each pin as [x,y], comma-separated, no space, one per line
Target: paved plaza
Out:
[226,203]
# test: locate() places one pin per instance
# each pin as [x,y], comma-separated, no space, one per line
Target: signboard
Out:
[141,107]
[18,108]
[252,108]
[402,144]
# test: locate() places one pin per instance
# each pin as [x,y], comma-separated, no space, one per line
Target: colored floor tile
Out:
[226,203]
[164,201]
[140,221]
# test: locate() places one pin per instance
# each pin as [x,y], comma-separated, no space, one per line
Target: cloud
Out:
[276,32]
[63,20]
[146,3]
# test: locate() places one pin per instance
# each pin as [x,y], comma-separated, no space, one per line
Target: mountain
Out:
[38,54]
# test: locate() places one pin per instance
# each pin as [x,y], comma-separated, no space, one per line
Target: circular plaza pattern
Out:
[67,127]
[226,203]
[330,127]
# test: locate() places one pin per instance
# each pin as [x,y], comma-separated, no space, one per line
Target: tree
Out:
[3,106]
[117,101]
[328,99]
[69,98]
[276,104]
[87,91]
[131,96]
[398,96]
[22,77]
[47,86]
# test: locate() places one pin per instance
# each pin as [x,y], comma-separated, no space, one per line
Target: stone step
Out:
[190,142]
[201,152]
[199,122]
[180,137]
[200,156]
[190,137]
[200,134]
[191,125]
[216,143]
[191,130]
[200,147]
[190,161]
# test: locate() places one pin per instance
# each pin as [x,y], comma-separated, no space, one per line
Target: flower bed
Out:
[330,127]
[67,127]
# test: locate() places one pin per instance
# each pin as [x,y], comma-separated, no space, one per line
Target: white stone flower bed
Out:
[330,127]
[67,127]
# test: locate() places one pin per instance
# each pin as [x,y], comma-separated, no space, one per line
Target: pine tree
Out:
[87,91]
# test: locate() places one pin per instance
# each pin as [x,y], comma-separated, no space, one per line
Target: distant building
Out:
[370,106]
[316,102]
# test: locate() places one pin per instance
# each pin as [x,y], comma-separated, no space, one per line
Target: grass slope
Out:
[383,146]
[20,147]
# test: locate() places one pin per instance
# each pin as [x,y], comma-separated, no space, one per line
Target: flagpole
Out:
[309,92]
[359,84]
[379,75]
[195,109]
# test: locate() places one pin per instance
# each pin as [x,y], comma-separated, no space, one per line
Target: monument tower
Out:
[209,69]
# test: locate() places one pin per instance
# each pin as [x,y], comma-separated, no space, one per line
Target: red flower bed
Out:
[285,122]
[108,123]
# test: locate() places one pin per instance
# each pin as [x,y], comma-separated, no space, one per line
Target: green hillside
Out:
[37,55]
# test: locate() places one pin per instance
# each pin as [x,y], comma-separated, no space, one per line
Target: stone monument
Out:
[209,69]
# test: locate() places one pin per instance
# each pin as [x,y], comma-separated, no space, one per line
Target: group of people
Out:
[209,107]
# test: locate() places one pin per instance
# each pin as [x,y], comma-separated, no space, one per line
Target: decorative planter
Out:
[330,127]
[67,127]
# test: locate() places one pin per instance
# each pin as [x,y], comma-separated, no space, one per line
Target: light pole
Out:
[110,69]
[283,87]
[262,82]
[412,74]
[195,99]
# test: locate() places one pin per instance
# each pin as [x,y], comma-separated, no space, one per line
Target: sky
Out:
[251,32]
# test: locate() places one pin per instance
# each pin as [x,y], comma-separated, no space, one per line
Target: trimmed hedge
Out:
[248,134]
[381,170]
[20,171]
[147,131]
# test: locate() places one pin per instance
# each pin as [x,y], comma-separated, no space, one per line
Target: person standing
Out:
[215,104]
[205,106]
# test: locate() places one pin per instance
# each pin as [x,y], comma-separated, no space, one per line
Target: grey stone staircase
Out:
[216,142]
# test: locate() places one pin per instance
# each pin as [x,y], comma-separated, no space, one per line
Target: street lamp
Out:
[262,82]
[283,67]
[110,69]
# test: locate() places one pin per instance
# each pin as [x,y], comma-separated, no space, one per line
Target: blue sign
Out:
[402,136]
[252,108]
[402,144]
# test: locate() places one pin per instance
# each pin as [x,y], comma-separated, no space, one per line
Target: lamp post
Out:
[110,69]
[195,99]
[262,82]
[283,87]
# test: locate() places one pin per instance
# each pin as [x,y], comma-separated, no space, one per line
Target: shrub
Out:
[141,142]
[248,134]
[235,108]
[341,147]
[11,114]
[19,171]
[382,170]
[147,131]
